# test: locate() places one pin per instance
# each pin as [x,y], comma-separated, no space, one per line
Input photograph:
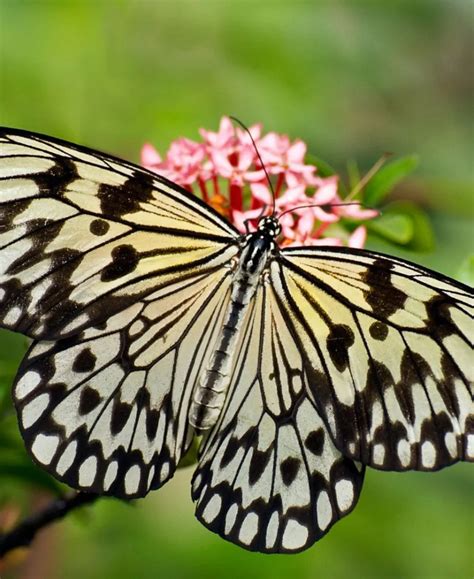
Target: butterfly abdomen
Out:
[209,396]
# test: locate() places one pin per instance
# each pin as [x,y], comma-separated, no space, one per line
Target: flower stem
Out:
[24,533]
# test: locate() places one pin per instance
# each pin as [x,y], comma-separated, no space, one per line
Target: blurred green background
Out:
[353,79]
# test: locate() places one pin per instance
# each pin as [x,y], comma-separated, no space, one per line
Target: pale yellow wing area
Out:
[84,235]
[387,347]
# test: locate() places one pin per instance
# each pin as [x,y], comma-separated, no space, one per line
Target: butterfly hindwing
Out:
[388,349]
[106,410]
[270,478]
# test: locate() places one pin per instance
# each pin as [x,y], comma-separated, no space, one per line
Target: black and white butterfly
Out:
[154,319]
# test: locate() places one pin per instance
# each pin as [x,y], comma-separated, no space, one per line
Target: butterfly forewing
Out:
[83,236]
[388,353]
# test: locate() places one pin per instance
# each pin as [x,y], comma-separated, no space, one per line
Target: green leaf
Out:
[393,227]
[404,223]
[387,177]
[466,271]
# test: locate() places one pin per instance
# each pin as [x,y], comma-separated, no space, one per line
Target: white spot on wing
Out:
[230,517]
[197,482]
[295,535]
[67,458]
[34,409]
[379,453]
[88,471]
[249,528]
[324,510]
[404,452]
[26,384]
[428,454]
[12,316]
[470,446]
[132,479]
[344,494]
[450,442]
[212,508]
[151,474]
[165,470]
[110,475]
[44,448]
[272,530]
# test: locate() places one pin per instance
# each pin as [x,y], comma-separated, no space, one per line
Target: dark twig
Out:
[24,533]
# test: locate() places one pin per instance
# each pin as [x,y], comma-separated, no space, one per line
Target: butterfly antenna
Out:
[318,205]
[236,120]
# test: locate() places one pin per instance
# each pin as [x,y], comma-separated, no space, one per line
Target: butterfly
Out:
[154,320]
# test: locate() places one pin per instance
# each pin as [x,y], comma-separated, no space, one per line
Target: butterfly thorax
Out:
[209,396]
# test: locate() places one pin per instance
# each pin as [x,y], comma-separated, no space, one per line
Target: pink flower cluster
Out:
[227,171]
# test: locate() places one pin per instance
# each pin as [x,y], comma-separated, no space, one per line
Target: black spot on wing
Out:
[119,200]
[315,441]
[54,182]
[42,232]
[124,260]
[378,331]
[339,340]
[89,400]
[258,464]
[439,317]
[152,418]
[289,469]
[382,296]
[120,414]
[230,451]
[85,361]
[99,227]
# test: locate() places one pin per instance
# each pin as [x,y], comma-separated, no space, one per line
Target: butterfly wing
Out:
[388,352]
[84,235]
[122,278]
[270,478]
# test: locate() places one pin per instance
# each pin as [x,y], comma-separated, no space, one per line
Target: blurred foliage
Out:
[351,78]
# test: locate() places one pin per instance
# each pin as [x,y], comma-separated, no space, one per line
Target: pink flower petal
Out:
[356,212]
[327,191]
[262,193]
[296,153]
[358,237]
[255,131]
[240,217]
[305,223]
[324,216]
[333,241]
[149,155]
[223,137]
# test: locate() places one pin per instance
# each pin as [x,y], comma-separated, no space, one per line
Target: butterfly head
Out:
[269,226]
